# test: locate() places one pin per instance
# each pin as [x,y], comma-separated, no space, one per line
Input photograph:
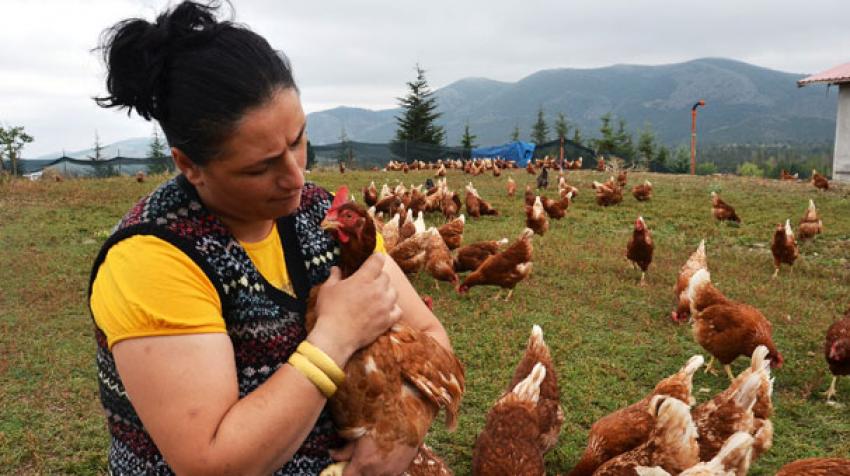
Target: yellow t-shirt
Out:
[148,287]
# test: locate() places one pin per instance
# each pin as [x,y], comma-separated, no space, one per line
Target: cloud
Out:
[362,53]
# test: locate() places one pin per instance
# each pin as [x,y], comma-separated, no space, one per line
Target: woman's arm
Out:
[185,388]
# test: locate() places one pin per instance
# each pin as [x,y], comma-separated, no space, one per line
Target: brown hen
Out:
[783,246]
[509,443]
[695,262]
[725,328]
[643,191]
[810,225]
[550,413]
[722,211]
[672,443]
[629,427]
[395,386]
[504,269]
[732,460]
[763,409]
[816,467]
[439,262]
[452,232]
[511,186]
[640,247]
[370,195]
[470,257]
[608,193]
[726,414]
[535,217]
[837,351]
[819,181]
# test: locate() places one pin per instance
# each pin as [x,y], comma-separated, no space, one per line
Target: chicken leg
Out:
[709,369]
[831,392]
[510,293]
[642,279]
[775,273]
[728,369]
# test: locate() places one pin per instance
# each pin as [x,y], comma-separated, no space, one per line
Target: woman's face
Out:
[259,173]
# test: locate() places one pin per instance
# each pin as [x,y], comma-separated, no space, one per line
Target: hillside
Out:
[745,104]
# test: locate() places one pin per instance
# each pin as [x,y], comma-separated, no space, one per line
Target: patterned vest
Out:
[264,324]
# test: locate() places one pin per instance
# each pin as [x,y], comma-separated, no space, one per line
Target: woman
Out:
[198,295]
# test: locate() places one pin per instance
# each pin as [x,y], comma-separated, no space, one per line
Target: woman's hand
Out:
[365,459]
[353,312]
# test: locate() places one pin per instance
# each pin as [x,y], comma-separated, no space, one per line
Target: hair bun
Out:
[136,53]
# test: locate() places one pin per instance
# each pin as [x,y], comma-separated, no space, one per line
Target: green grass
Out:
[611,340]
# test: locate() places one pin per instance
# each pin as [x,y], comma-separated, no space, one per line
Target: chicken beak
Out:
[329,223]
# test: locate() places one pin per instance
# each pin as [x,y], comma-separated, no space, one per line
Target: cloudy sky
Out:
[360,52]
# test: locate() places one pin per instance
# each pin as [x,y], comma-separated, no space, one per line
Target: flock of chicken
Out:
[392,393]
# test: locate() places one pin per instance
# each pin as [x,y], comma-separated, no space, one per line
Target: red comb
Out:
[340,198]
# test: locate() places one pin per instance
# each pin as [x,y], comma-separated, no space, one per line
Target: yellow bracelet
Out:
[313,373]
[322,361]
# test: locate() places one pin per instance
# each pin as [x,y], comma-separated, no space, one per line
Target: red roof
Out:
[836,75]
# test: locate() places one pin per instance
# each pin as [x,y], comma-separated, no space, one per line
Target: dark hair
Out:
[195,75]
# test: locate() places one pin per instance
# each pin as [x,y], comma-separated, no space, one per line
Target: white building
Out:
[839,75]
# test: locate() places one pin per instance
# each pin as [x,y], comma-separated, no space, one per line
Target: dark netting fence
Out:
[70,167]
[367,155]
[572,151]
[361,155]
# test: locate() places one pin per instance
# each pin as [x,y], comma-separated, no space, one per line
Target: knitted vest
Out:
[264,324]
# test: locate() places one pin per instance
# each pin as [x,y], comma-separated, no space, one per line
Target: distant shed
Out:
[839,75]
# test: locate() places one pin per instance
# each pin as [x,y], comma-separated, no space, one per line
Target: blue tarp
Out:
[518,151]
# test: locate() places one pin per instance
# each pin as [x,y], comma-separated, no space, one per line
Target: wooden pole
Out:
[694,135]
[694,141]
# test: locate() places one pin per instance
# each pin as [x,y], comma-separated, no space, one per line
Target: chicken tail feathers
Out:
[529,388]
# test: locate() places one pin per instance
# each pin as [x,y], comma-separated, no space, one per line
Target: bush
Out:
[706,168]
[749,169]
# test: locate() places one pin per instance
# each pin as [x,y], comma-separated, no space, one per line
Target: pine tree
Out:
[561,130]
[659,162]
[515,133]
[624,147]
[540,131]
[346,151]
[646,144]
[101,169]
[97,149]
[606,144]
[311,156]
[417,122]
[12,140]
[467,142]
[577,136]
[160,162]
[562,127]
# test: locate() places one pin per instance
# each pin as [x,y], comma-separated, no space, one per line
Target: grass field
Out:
[611,340]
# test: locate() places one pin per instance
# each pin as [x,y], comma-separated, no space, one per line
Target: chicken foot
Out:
[709,368]
[831,392]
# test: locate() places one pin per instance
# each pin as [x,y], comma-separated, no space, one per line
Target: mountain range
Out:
[744,104]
